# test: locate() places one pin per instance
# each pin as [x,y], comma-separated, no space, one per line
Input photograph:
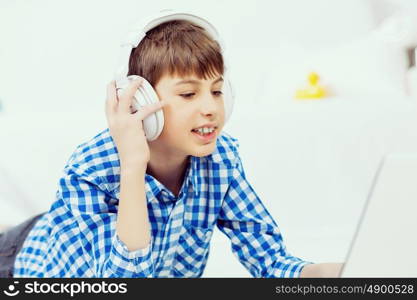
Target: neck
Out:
[168,168]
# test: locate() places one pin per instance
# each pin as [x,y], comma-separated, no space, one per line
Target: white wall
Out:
[52,50]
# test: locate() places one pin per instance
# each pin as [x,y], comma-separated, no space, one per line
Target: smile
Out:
[205,134]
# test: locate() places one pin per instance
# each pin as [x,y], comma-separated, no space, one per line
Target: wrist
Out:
[133,166]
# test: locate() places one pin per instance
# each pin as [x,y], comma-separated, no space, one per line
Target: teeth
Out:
[205,130]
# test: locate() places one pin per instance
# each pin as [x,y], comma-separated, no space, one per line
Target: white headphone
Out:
[145,95]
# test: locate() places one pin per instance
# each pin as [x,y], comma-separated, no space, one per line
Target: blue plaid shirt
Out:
[76,237]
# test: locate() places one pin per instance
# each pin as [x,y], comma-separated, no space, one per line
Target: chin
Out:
[203,150]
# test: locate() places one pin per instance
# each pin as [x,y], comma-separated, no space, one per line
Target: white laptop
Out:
[385,243]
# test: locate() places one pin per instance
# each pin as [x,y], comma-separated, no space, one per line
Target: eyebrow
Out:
[191,81]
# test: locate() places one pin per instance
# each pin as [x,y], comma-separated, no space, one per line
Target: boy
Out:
[127,207]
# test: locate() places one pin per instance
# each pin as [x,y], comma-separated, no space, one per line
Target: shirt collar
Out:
[153,187]
[224,153]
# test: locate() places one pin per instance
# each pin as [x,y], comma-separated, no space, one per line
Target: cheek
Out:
[222,114]
[178,123]
[175,125]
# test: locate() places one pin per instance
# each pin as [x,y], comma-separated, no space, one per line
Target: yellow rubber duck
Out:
[313,90]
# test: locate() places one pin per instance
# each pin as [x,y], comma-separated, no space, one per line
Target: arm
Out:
[255,237]
[96,245]
[93,241]
[133,211]
[133,226]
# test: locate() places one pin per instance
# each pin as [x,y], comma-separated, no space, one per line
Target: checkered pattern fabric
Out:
[76,237]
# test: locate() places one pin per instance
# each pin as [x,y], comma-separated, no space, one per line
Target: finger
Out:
[125,100]
[111,100]
[147,110]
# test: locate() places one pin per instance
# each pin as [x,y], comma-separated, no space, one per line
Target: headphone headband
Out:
[139,30]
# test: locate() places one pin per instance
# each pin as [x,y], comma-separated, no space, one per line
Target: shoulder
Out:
[226,151]
[93,151]
[96,158]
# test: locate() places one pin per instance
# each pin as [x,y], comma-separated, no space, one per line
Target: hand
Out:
[322,270]
[331,269]
[126,128]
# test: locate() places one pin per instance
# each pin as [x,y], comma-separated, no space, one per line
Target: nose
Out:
[209,105]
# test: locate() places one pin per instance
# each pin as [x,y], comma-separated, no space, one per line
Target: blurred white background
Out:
[310,161]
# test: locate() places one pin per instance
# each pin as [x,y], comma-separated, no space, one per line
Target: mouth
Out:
[205,134]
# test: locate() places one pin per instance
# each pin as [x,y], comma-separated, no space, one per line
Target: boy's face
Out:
[193,114]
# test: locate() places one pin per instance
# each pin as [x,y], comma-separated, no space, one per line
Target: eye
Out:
[218,93]
[187,95]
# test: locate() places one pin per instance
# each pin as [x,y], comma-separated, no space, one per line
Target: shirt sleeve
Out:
[96,214]
[255,237]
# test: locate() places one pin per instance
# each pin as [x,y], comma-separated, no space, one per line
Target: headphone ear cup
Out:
[145,95]
[228,98]
[154,123]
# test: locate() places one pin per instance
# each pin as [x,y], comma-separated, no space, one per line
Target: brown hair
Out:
[176,48]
